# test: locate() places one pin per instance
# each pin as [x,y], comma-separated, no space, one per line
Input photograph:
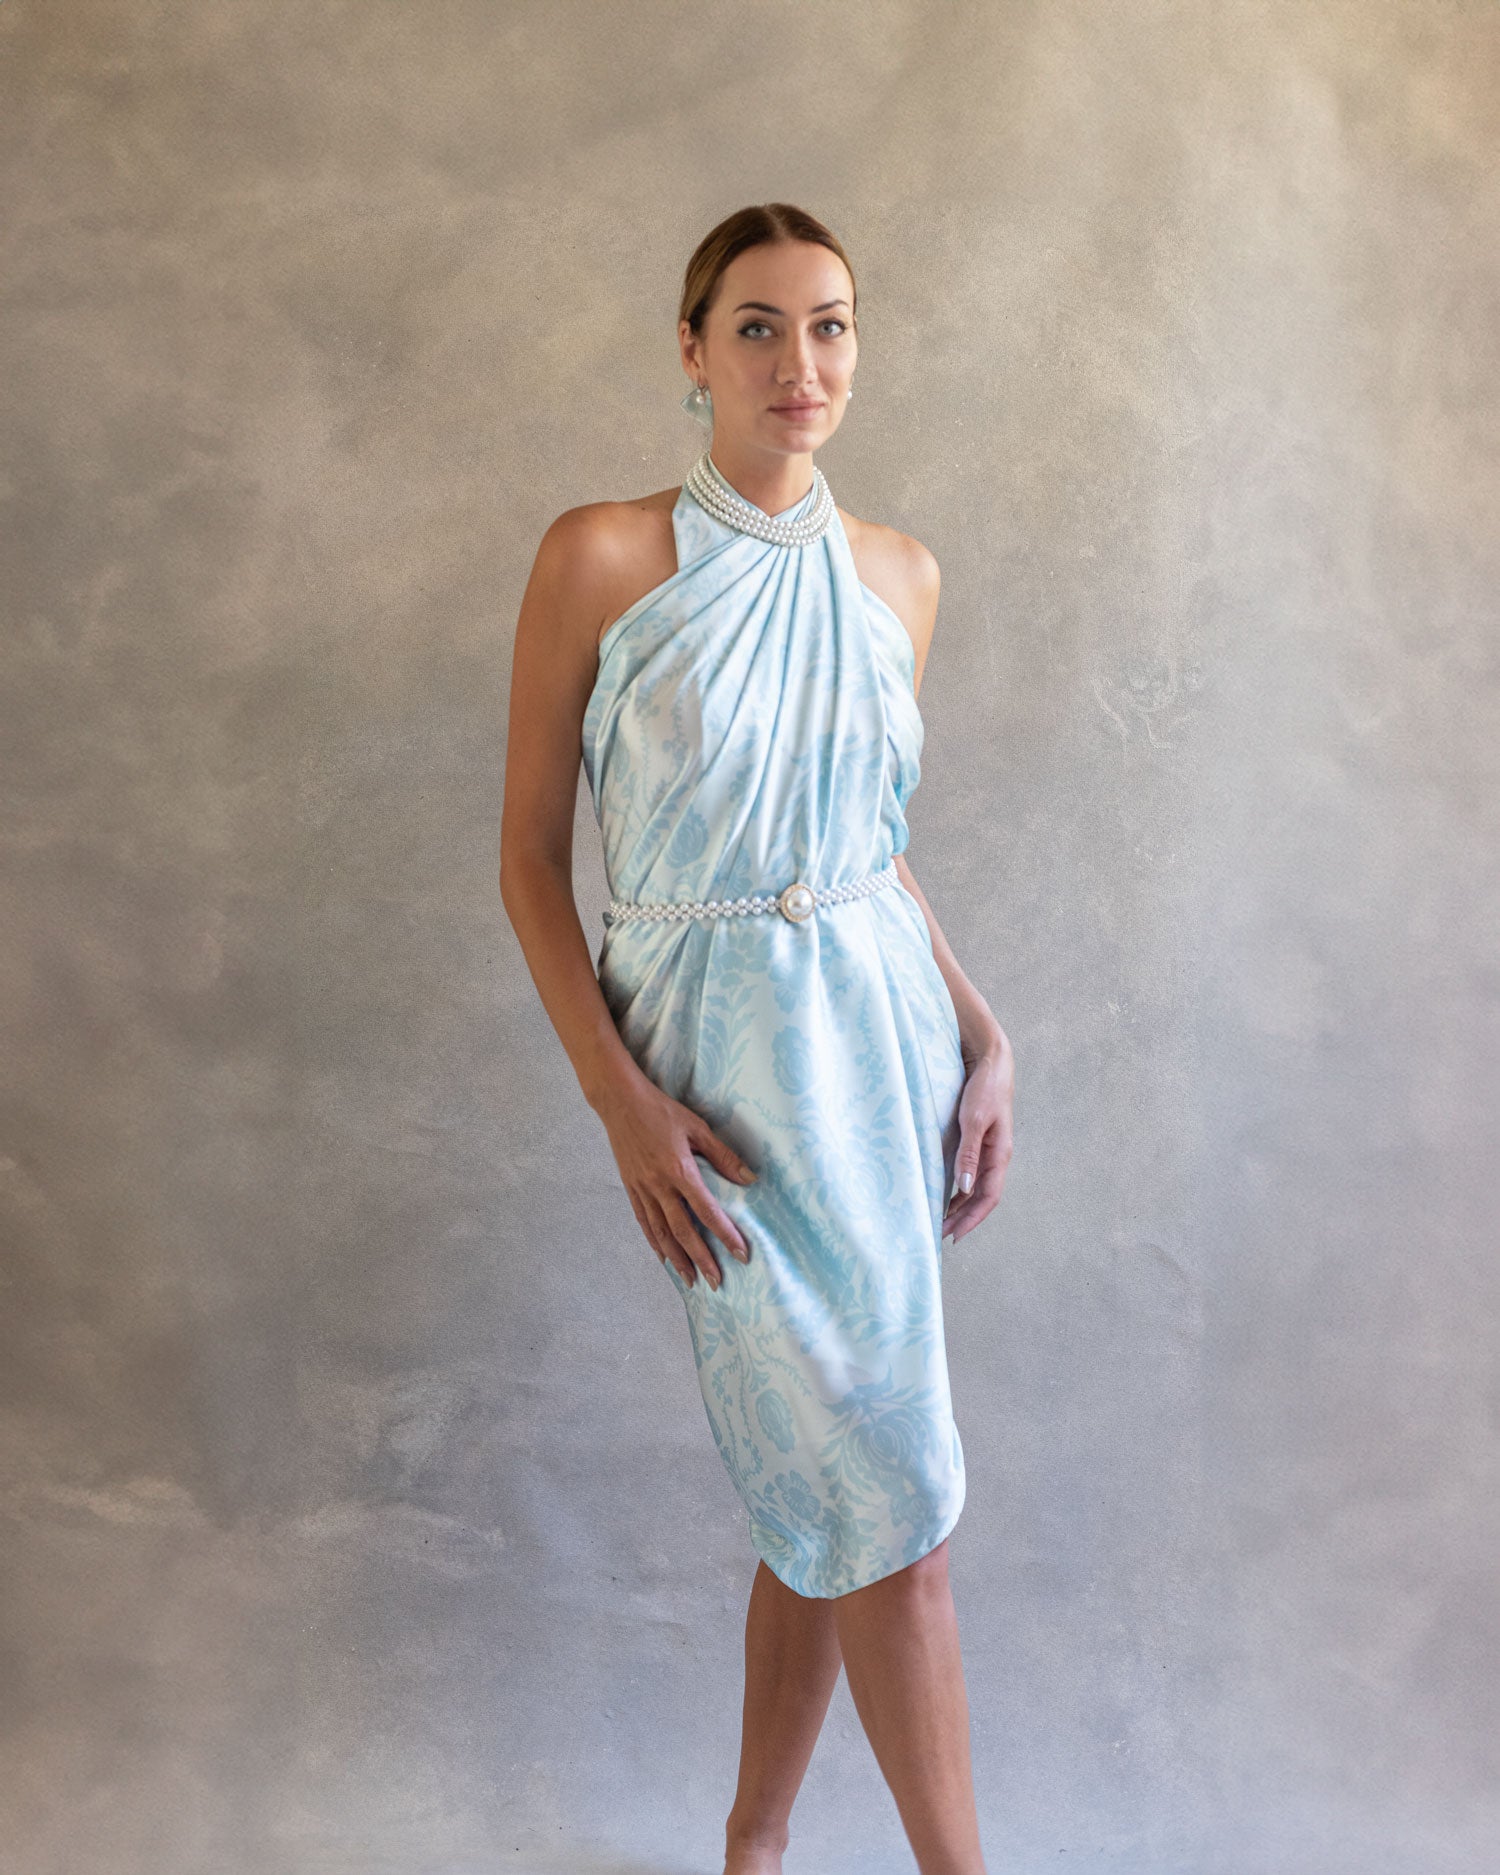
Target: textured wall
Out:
[360,1513]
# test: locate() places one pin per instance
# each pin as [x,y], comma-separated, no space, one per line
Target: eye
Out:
[754,325]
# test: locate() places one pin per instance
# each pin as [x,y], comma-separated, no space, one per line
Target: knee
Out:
[914,1581]
[933,1566]
[927,1575]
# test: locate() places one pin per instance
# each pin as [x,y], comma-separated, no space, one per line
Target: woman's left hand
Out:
[985,1114]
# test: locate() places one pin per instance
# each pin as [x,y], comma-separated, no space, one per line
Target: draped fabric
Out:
[752,723]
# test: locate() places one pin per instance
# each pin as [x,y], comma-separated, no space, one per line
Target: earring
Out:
[699,403]
[850,392]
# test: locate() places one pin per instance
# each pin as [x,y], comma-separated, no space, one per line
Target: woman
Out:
[779,1042]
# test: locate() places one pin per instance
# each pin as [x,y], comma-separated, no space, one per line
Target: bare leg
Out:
[791,1668]
[899,1639]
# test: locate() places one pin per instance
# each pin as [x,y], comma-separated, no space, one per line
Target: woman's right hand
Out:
[654,1138]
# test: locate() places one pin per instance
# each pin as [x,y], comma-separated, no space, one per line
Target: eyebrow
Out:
[759,305]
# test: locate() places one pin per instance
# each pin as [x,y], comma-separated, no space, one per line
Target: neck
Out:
[773,483]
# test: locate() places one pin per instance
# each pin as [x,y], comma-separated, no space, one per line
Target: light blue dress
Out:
[753,722]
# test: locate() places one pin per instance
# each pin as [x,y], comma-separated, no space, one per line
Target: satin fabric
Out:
[753,722]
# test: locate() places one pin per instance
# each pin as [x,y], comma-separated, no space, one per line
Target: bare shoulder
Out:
[603,555]
[903,572]
[897,567]
[600,538]
[587,554]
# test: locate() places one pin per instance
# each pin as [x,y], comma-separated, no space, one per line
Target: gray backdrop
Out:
[361,1514]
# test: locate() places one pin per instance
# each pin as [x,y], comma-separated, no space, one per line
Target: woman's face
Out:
[778,347]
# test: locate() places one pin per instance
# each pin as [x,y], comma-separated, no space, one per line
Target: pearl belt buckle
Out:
[796,902]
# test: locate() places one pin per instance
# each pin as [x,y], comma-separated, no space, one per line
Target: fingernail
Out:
[965,1180]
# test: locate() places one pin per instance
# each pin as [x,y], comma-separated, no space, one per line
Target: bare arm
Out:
[986,1110]
[555,663]
[553,669]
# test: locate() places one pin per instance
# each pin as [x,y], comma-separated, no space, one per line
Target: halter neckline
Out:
[805,521]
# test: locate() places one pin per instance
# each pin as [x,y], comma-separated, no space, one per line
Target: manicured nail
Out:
[965,1181]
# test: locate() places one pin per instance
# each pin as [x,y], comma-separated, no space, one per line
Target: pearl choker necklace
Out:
[709,489]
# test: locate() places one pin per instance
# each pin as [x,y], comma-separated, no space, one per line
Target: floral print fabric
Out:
[753,723]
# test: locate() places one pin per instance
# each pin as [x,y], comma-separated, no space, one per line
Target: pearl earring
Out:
[699,403]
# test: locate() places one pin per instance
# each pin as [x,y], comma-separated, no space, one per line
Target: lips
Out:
[796,410]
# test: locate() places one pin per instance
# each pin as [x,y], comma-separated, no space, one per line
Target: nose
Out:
[795,368]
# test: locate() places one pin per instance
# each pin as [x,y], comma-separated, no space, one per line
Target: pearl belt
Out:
[795,901]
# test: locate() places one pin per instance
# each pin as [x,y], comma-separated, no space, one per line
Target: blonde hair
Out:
[749,227]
